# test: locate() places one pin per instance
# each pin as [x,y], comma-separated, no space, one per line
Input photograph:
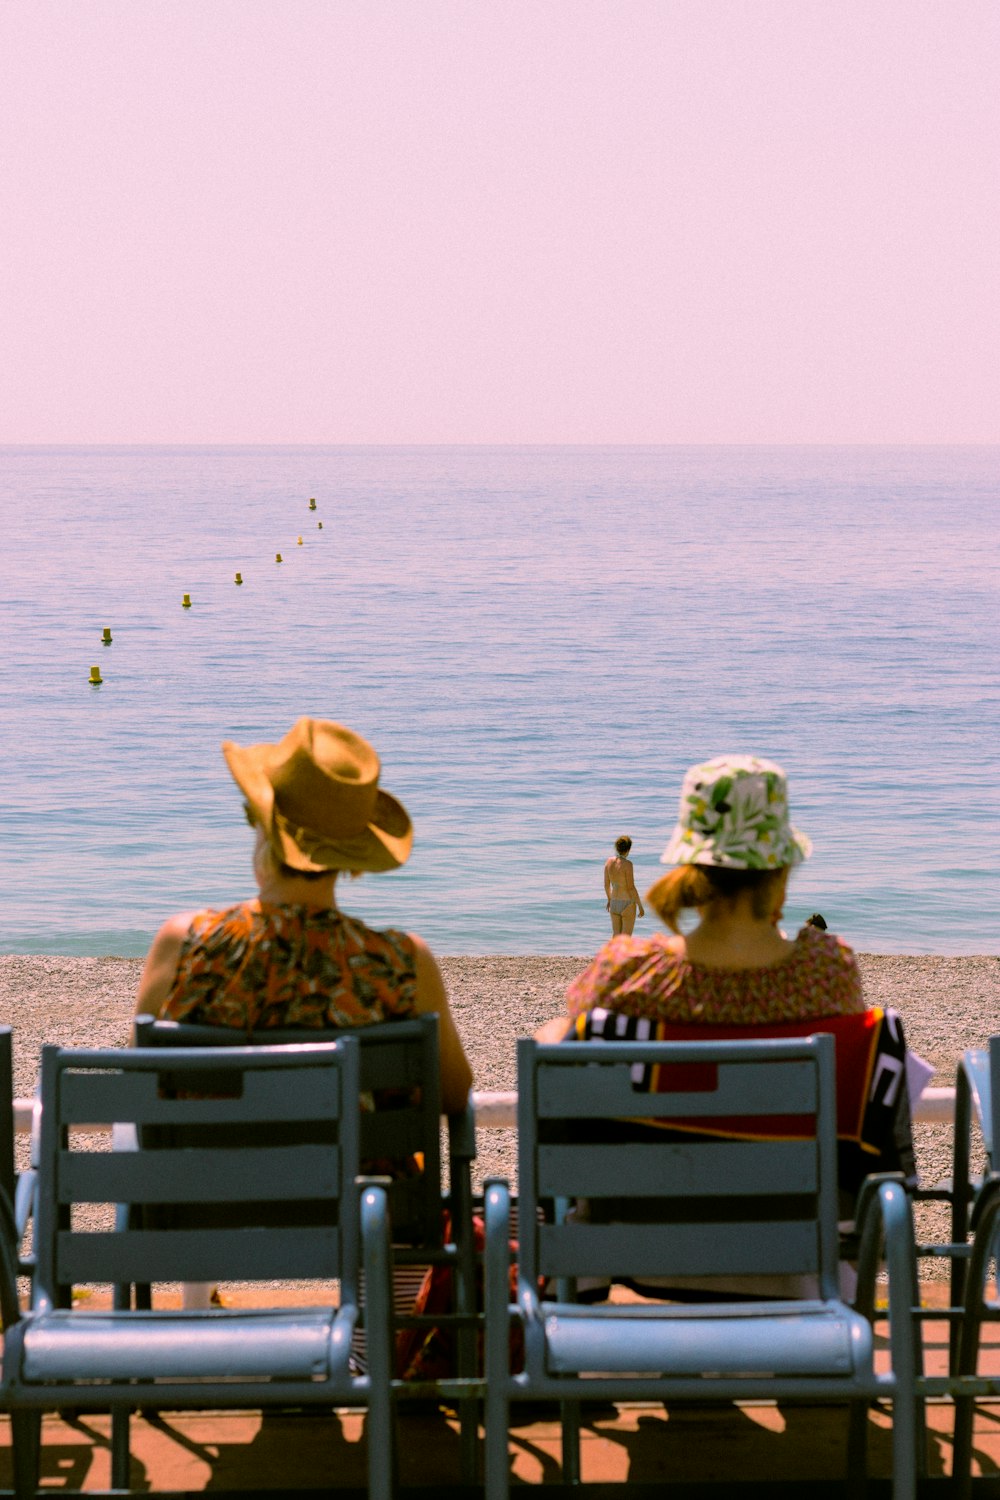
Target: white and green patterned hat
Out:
[734,812]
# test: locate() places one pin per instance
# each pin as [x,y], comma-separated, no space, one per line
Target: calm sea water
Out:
[538,641]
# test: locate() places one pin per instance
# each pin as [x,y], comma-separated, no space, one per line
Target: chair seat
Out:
[300,1344]
[810,1338]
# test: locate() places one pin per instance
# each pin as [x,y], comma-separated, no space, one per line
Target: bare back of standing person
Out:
[623,900]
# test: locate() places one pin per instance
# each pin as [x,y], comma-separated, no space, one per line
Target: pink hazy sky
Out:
[464,221]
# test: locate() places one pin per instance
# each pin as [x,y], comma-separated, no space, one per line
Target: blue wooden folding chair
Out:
[8,1175]
[400,1076]
[399,1063]
[744,1185]
[244,1168]
[17,1188]
[977,1107]
[974,1251]
[10,1233]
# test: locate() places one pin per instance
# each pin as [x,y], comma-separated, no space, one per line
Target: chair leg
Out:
[496,1446]
[961,1447]
[380,1431]
[26,1432]
[920,1435]
[570,1417]
[970,1328]
[857,1449]
[468,1419]
[120,1423]
[380,1427]
[496,1277]
[904,1445]
[468,1410]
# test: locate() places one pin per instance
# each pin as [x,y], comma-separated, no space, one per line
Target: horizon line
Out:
[6,447]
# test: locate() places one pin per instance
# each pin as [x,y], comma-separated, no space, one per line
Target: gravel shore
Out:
[947,1005]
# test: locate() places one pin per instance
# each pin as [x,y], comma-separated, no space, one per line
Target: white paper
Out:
[919,1073]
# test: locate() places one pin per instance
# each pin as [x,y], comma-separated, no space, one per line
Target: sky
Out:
[464,221]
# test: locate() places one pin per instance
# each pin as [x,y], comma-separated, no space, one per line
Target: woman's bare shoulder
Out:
[177,926]
[431,993]
[169,941]
[421,950]
[162,961]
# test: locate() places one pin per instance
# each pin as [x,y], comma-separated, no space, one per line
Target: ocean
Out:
[538,641]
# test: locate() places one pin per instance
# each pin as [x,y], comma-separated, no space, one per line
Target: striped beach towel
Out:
[873,1108]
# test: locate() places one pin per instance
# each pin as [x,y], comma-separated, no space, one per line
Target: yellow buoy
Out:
[312,504]
[239,578]
[277,557]
[107,637]
[186,602]
[95,677]
[320,525]
[300,541]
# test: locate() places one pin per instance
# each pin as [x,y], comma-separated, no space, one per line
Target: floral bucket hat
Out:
[734,812]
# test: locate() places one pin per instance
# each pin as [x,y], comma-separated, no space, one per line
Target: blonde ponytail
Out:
[683,887]
[693,886]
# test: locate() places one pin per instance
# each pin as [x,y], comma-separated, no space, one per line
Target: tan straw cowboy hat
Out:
[316,796]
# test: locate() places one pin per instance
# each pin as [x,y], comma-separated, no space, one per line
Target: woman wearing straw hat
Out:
[732,851]
[291,957]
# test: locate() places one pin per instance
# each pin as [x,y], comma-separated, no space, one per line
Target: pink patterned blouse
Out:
[645,976]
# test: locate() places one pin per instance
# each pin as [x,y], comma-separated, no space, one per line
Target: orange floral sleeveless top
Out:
[258,965]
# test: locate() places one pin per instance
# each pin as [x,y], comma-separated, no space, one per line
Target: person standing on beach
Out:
[290,957]
[619,888]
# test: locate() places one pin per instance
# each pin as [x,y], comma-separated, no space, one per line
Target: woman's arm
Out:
[456,1075]
[848,989]
[160,968]
[632,890]
[607,881]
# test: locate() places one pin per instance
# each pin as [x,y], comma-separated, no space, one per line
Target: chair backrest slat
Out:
[244,1173]
[751,1247]
[247,1186]
[93,1098]
[748,1185]
[388,1056]
[248,1254]
[688,1169]
[609,1090]
[397,1059]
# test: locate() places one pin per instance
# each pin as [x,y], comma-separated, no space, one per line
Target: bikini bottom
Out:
[620,904]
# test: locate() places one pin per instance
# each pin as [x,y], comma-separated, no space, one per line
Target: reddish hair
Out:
[695,886]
